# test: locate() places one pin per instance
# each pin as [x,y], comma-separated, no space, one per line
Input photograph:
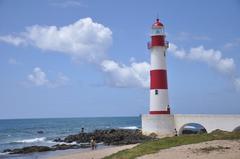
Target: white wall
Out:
[162,125]
[208,121]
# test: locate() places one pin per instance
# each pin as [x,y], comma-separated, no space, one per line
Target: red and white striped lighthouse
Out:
[159,103]
[159,120]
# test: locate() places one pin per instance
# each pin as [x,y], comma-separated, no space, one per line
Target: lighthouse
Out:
[158,45]
[159,120]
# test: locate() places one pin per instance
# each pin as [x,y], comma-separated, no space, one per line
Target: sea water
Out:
[18,133]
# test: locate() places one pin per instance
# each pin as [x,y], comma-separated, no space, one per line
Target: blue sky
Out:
[89,58]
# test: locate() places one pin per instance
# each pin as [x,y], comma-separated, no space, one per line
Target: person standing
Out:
[92,143]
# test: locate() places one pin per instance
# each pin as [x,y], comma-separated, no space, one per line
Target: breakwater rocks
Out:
[31,149]
[109,137]
[82,140]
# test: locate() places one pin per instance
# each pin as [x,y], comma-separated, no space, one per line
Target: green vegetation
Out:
[164,143]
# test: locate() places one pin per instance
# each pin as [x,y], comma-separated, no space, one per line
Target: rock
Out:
[64,147]
[40,132]
[58,140]
[6,150]
[110,137]
[29,149]
[79,138]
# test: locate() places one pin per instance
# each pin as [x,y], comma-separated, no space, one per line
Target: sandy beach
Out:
[218,149]
[94,154]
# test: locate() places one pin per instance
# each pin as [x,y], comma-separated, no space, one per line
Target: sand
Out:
[228,150]
[94,154]
[207,150]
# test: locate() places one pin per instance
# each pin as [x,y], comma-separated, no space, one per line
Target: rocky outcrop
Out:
[28,149]
[108,137]
[31,149]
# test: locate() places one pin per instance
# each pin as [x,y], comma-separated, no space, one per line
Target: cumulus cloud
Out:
[211,57]
[82,40]
[120,75]
[12,40]
[39,78]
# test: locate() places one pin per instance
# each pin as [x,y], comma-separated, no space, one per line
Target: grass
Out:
[150,147]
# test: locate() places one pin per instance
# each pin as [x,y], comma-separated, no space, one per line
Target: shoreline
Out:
[93,154]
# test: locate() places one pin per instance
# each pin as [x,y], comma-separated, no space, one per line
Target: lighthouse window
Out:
[156,92]
[164,53]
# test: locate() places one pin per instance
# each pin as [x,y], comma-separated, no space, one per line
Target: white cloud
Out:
[88,41]
[183,36]
[60,81]
[67,3]
[82,40]
[12,40]
[120,75]
[179,53]
[211,57]
[39,78]
[233,44]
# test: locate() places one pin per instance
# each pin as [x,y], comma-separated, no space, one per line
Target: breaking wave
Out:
[40,139]
[129,127]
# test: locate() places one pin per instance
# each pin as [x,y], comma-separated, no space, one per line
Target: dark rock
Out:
[40,132]
[73,146]
[58,140]
[79,138]
[29,149]
[6,150]
[64,147]
[110,137]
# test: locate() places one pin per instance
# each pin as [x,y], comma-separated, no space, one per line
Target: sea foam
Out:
[129,127]
[40,139]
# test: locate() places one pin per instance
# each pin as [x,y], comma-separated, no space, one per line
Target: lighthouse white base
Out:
[161,125]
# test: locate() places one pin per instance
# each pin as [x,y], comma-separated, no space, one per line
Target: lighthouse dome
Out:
[157,24]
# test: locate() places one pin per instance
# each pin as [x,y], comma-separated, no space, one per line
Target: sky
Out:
[78,58]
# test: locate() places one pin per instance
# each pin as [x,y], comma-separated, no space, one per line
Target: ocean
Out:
[17,133]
